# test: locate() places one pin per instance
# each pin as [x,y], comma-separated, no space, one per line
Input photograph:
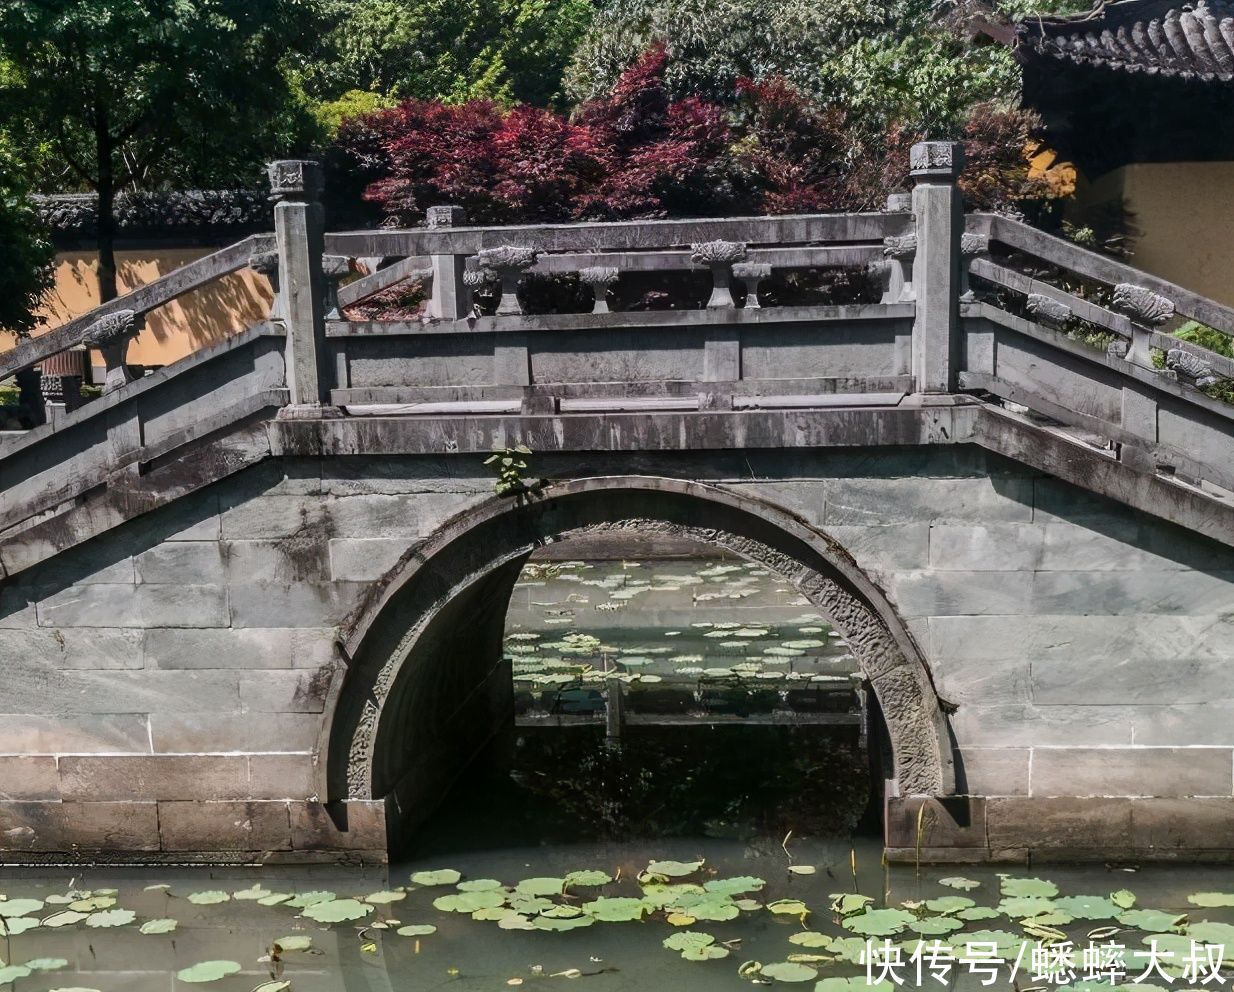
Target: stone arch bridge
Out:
[251,604]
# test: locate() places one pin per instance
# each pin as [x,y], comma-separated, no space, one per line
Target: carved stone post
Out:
[720,256]
[333,269]
[899,253]
[937,206]
[111,335]
[971,246]
[752,275]
[509,262]
[599,278]
[266,263]
[451,297]
[299,229]
[1147,310]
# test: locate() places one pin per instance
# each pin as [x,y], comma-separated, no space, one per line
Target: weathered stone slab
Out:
[1132,593]
[898,547]
[363,829]
[240,648]
[887,501]
[1134,681]
[988,771]
[28,778]
[41,692]
[985,547]
[224,826]
[979,683]
[1053,824]
[296,604]
[181,562]
[954,821]
[159,776]
[272,517]
[303,557]
[1183,826]
[71,648]
[1138,771]
[282,776]
[1203,723]
[247,732]
[931,594]
[359,476]
[116,605]
[29,733]
[365,559]
[1026,726]
[70,826]
[299,691]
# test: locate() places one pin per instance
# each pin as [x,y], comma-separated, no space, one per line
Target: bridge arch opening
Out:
[424,676]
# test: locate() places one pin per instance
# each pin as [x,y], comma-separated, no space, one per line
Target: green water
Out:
[779,803]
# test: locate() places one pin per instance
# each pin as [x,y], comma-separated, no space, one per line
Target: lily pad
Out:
[19,907]
[416,930]
[17,926]
[251,894]
[789,971]
[674,869]
[442,876]
[935,926]
[207,971]
[540,886]
[733,886]
[159,926]
[306,899]
[788,907]
[64,918]
[949,904]
[1124,898]
[959,882]
[13,972]
[802,869]
[338,911]
[1152,920]
[479,885]
[878,922]
[1087,907]
[552,923]
[977,913]
[47,964]
[279,985]
[1211,900]
[274,899]
[211,897]
[384,898]
[469,902]
[616,910]
[111,918]
[295,942]
[712,952]
[848,903]
[588,879]
[1016,887]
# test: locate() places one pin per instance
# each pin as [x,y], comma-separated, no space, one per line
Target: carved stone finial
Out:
[1141,304]
[477,278]
[936,160]
[599,278]
[1047,310]
[753,274]
[295,179]
[110,328]
[972,245]
[447,216]
[1191,368]
[900,246]
[717,252]
[898,202]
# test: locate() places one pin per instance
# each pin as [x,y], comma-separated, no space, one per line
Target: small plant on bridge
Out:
[511,463]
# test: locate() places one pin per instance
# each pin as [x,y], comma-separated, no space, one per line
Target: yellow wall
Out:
[1183,216]
[197,319]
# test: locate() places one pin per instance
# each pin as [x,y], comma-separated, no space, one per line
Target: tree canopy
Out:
[25,263]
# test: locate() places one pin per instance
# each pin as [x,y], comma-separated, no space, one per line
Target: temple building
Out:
[1139,94]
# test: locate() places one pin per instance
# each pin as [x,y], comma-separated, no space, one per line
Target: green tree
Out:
[25,263]
[138,93]
[452,50]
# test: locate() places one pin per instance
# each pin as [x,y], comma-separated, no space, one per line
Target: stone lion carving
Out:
[717,252]
[1141,304]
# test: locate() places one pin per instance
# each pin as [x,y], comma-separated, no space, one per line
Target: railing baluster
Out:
[451,299]
[720,256]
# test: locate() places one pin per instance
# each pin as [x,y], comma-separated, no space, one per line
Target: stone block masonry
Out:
[169,686]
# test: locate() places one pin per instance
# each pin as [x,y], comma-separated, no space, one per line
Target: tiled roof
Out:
[1155,37]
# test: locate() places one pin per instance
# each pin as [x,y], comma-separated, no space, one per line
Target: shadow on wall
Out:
[194,321]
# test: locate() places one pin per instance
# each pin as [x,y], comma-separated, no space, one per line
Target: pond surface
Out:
[725,824]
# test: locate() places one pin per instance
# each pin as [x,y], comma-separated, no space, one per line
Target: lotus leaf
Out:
[469,902]
[13,972]
[442,876]
[1028,887]
[494,914]
[935,926]
[1213,933]
[1211,900]
[959,882]
[789,971]
[1087,907]
[562,912]
[92,904]
[306,899]
[715,910]
[616,910]
[712,952]
[384,898]
[47,964]
[1022,906]
[802,869]
[159,926]
[1007,945]
[811,938]
[733,886]
[17,926]
[658,895]
[338,911]
[588,878]
[540,886]
[747,905]
[857,984]
[64,918]
[19,907]
[847,903]
[1152,920]
[209,898]
[680,920]
[416,930]
[1055,918]
[295,942]
[549,923]
[1123,898]
[252,893]
[878,922]
[949,904]
[275,986]
[111,918]
[207,971]
[978,913]
[788,907]
[674,869]
[528,904]
[688,938]
[515,921]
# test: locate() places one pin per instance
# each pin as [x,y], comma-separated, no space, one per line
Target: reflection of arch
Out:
[423,644]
